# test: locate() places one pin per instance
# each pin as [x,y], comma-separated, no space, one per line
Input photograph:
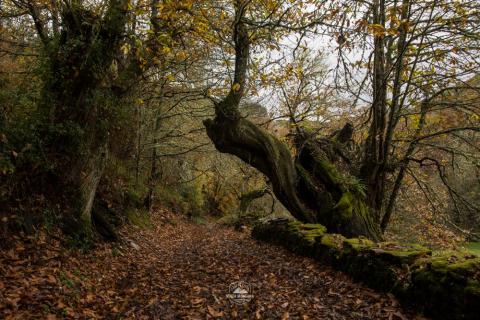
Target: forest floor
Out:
[177,269]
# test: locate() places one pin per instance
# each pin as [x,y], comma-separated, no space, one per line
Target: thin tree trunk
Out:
[55,18]
[138,151]
[246,200]
[397,104]
[371,171]
[86,176]
[154,166]
[399,179]
[156,27]
[152,178]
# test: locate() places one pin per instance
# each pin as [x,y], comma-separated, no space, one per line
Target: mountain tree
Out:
[309,186]
[312,183]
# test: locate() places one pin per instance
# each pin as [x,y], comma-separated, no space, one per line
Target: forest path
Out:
[178,270]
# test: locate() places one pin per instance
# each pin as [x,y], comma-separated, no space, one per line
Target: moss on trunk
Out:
[75,103]
[311,187]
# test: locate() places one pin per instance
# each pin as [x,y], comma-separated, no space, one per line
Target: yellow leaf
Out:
[125,48]
[377,29]
[182,56]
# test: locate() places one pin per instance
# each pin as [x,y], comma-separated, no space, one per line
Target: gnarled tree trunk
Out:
[74,101]
[310,186]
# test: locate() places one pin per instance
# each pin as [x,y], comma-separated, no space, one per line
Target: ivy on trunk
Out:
[75,101]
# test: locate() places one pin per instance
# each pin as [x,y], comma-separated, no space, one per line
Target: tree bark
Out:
[247,198]
[85,178]
[152,179]
[263,151]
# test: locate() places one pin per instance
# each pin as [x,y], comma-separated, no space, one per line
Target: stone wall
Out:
[439,286]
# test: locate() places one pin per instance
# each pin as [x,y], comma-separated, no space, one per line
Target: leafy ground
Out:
[177,270]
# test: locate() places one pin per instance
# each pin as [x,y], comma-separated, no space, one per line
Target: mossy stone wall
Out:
[441,287]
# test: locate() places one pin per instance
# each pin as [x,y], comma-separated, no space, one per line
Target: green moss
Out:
[445,286]
[333,241]
[311,231]
[400,254]
[312,226]
[358,244]
[441,298]
[455,266]
[298,237]
[294,225]
[467,267]
[364,265]
[328,170]
[311,235]
[453,261]
[310,186]
[328,249]
[344,207]
[139,218]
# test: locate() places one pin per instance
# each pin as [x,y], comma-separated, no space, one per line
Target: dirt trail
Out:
[178,270]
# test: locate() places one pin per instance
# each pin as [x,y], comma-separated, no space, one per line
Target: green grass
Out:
[473,247]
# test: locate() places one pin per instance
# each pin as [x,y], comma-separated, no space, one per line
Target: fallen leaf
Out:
[213,312]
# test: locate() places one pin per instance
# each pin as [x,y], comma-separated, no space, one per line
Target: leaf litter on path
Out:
[177,270]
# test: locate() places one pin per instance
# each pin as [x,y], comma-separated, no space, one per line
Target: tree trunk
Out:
[311,187]
[152,178]
[372,171]
[246,200]
[84,178]
[74,103]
